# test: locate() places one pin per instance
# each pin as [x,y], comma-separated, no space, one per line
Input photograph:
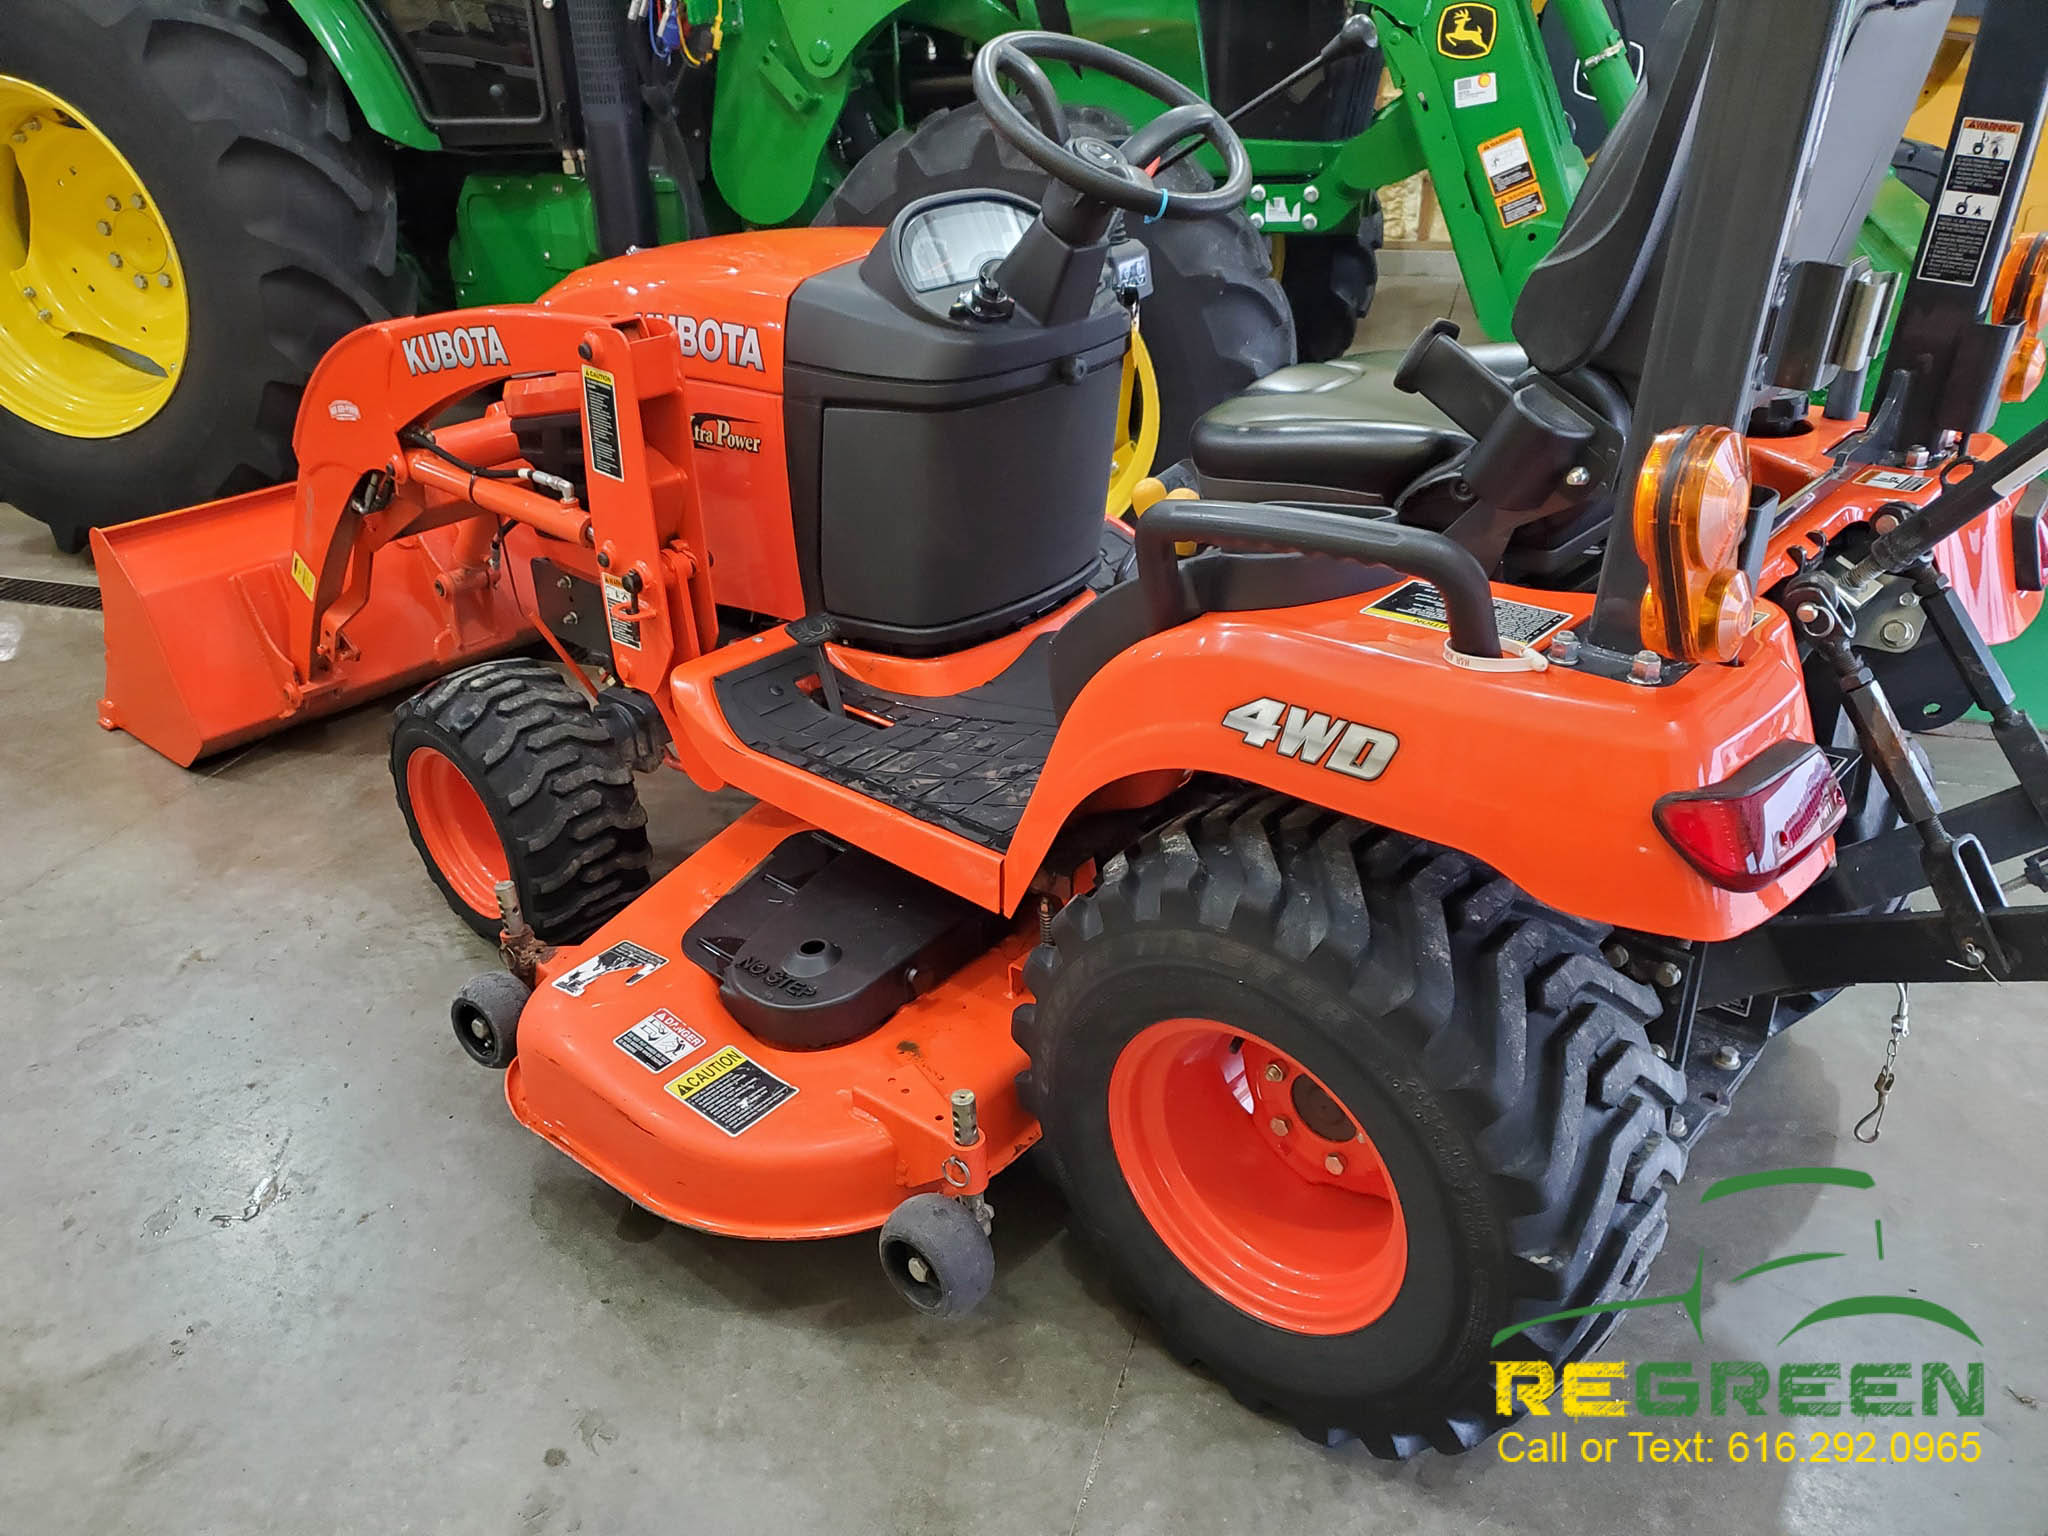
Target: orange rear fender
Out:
[1548,776]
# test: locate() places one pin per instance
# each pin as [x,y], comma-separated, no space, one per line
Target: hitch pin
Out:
[1886,1077]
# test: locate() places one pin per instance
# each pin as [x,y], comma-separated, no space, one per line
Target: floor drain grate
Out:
[49,594]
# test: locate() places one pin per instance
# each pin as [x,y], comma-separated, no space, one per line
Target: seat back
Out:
[1588,303]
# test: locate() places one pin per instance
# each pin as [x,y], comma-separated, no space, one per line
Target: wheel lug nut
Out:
[113,203]
[28,293]
[1334,1163]
[1275,1073]
[43,315]
[18,138]
[141,281]
[35,125]
[137,202]
[163,279]
[1280,1126]
[113,258]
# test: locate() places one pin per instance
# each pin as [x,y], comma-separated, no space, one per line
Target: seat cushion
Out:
[1339,424]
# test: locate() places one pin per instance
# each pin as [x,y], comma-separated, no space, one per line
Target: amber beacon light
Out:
[1691,503]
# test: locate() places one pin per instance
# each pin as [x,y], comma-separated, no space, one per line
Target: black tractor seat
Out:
[1339,427]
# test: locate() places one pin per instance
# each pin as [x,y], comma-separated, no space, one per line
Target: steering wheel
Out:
[1119,177]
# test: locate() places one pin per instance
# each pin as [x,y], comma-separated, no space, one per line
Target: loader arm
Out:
[384,563]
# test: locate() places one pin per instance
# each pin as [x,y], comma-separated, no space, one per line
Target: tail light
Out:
[1747,830]
[1691,504]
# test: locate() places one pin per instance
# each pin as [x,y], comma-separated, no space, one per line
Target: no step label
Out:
[731,1090]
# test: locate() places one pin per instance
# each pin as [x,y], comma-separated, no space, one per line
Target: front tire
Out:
[503,773]
[1477,1070]
[1216,321]
[279,207]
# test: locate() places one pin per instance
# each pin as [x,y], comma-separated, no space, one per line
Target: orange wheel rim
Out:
[1256,1177]
[456,827]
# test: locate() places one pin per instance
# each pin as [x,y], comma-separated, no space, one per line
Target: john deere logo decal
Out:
[1466,31]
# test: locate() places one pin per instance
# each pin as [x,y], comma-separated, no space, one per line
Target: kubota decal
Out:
[466,346]
[1342,746]
[718,341]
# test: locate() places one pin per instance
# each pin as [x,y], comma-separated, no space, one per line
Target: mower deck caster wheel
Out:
[937,1255]
[486,1017]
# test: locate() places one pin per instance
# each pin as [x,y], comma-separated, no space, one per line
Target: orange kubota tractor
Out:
[1364,906]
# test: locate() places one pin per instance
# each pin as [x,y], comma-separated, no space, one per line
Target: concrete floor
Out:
[274,1257]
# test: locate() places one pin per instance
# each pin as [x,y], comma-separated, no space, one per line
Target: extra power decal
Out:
[1894,480]
[1342,746]
[734,433]
[618,604]
[302,574]
[601,411]
[1417,602]
[1466,31]
[1511,178]
[731,1090]
[623,956]
[1967,206]
[659,1041]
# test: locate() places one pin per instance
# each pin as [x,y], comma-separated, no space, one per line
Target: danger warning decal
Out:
[618,603]
[1417,602]
[1966,209]
[1511,177]
[731,1090]
[659,1041]
[623,956]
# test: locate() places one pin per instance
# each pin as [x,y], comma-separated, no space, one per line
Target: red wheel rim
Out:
[1256,1177]
[456,827]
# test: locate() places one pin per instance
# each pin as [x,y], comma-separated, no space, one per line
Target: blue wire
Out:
[1154,218]
[660,37]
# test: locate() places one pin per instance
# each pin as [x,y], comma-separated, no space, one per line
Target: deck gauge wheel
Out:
[936,1254]
[486,1017]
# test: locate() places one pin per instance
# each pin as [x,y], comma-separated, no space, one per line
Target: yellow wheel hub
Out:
[93,319]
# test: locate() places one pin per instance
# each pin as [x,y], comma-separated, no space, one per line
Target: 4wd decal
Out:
[733,432]
[467,346]
[1342,746]
[718,341]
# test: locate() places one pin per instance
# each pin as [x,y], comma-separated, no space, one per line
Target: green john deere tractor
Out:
[197,197]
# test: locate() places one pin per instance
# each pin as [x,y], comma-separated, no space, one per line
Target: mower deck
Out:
[769,1143]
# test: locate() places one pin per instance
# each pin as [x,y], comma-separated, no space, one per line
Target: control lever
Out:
[1453,380]
[1356,36]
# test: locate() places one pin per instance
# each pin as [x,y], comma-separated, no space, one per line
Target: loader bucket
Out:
[196,638]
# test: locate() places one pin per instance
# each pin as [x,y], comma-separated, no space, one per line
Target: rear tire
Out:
[1484,1048]
[502,772]
[1216,322]
[281,206]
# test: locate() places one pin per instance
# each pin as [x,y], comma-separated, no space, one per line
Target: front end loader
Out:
[1364,907]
